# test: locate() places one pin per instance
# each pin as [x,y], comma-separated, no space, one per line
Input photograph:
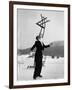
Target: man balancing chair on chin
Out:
[39,45]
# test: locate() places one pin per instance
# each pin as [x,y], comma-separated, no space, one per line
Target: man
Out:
[39,45]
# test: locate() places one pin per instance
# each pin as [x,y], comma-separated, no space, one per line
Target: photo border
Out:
[11,36]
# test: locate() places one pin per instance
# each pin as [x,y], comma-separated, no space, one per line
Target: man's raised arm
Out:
[45,46]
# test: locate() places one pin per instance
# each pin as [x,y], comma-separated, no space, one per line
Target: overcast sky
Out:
[28,30]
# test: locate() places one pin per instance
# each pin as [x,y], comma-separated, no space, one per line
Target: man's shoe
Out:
[34,77]
[40,75]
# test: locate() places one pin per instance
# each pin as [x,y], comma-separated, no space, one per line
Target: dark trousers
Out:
[38,65]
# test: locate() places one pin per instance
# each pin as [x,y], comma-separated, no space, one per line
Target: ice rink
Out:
[53,68]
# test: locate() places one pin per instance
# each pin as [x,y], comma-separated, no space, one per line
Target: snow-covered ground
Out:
[52,69]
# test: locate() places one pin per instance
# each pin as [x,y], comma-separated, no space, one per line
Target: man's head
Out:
[39,37]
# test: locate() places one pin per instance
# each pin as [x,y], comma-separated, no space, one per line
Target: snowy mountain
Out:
[57,49]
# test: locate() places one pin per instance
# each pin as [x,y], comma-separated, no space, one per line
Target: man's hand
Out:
[31,53]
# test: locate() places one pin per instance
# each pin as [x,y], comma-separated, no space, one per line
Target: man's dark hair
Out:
[37,37]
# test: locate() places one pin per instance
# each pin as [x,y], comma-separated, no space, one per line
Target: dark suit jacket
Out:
[39,46]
